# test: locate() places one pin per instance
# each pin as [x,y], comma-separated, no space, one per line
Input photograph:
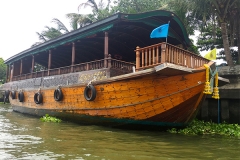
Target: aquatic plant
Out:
[48,118]
[198,127]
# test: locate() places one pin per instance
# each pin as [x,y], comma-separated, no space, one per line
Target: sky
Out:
[21,19]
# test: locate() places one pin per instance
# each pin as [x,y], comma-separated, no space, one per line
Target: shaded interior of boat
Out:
[120,42]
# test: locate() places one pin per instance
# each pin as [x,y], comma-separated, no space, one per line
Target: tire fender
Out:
[92,95]
[38,98]
[20,96]
[58,95]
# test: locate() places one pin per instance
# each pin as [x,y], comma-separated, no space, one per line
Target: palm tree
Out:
[237,19]
[78,20]
[89,3]
[181,9]
[222,8]
[99,10]
[60,25]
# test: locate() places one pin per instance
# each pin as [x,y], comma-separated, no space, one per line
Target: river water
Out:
[26,137]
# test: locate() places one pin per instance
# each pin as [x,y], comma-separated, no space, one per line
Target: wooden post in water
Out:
[137,58]
[49,61]
[73,56]
[105,49]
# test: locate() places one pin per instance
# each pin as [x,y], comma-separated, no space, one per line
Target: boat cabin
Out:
[120,43]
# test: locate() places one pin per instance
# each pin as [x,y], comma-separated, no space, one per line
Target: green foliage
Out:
[51,33]
[48,118]
[234,54]
[39,67]
[193,49]
[181,9]
[78,20]
[198,127]
[206,40]
[3,68]
[99,11]
[137,6]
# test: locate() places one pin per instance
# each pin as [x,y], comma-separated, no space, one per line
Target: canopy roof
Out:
[125,32]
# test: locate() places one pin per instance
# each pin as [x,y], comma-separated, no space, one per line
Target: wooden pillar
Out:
[163,52]
[105,49]
[33,64]
[49,61]
[7,72]
[73,56]
[21,67]
[12,71]
[109,61]
[137,58]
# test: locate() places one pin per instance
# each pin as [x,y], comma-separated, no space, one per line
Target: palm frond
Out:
[41,37]
[60,25]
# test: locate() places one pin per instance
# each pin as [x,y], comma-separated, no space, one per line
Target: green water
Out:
[25,137]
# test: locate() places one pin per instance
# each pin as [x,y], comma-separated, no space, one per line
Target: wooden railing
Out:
[98,64]
[153,55]
[127,67]
[93,65]
[145,58]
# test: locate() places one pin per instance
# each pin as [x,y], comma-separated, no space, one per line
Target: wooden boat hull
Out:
[149,97]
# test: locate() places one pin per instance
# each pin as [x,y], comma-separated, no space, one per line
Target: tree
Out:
[38,67]
[206,40]
[137,6]
[221,10]
[181,9]
[99,11]
[60,26]
[222,7]
[51,32]
[234,55]
[3,69]
[78,20]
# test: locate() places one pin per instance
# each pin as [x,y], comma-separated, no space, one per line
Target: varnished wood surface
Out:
[152,97]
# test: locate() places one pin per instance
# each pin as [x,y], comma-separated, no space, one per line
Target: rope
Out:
[90,82]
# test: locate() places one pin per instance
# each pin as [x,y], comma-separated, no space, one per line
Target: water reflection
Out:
[24,137]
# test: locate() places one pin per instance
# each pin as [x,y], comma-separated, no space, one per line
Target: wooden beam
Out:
[105,49]
[7,72]
[49,60]
[12,71]
[137,58]
[33,64]
[73,56]
[21,67]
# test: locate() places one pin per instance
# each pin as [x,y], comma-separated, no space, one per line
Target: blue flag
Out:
[161,31]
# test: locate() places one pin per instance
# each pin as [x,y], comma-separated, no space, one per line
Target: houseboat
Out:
[111,72]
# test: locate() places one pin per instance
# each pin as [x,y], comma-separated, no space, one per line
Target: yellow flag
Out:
[211,55]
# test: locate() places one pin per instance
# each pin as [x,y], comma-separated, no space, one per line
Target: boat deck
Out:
[146,57]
